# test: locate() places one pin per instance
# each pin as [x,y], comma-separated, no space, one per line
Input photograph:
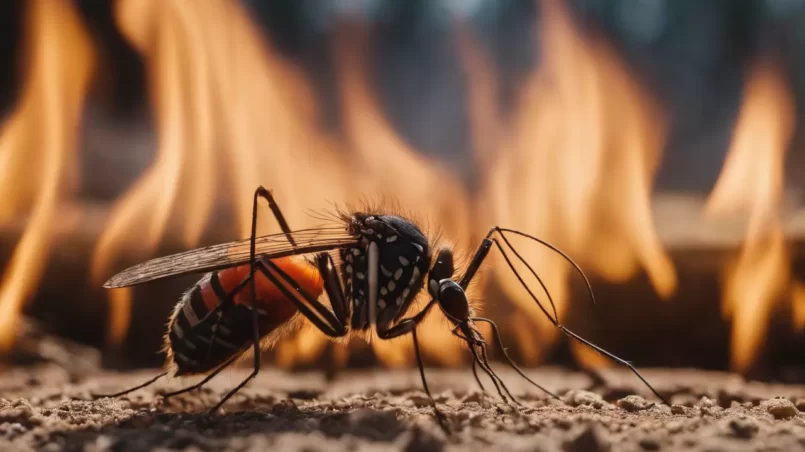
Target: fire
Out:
[37,145]
[574,164]
[752,181]
[231,115]
[576,170]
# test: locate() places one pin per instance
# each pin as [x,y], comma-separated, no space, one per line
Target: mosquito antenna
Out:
[140,386]
[556,250]
[508,358]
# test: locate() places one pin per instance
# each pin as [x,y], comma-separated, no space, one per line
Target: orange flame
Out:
[577,170]
[216,88]
[798,305]
[752,180]
[37,145]
[219,87]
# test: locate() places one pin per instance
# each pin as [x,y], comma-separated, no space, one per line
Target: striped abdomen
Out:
[205,332]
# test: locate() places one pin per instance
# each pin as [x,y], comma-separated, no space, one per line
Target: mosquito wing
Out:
[232,254]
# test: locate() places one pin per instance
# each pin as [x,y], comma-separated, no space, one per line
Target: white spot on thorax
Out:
[374,268]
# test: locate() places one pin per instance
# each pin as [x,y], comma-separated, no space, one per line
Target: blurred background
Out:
[657,142]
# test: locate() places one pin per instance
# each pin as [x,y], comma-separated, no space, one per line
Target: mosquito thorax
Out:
[403,255]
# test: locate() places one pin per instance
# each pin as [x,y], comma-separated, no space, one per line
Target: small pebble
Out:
[579,397]
[649,443]
[780,408]
[589,440]
[706,402]
[419,400]
[674,426]
[634,403]
[677,409]
[743,427]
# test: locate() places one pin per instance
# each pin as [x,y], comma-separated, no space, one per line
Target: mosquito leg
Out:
[315,311]
[475,361]
[275,209]
[260,192]
[483,251]
[332,285]
[511,362]
[475,374]
[140,386]
[201,383]
[439,415]
[490,373]
[406,326]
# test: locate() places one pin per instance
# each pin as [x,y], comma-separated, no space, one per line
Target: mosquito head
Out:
[448,293]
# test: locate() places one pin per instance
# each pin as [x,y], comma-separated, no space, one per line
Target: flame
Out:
[576,169]
[798,305]
[752,180]
[37,145]
[574,165]
[225,105]
[231,115]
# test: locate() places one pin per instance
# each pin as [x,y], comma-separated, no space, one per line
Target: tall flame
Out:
[752,181]
[38,145]
[227,103]
[226,106]
[577,170]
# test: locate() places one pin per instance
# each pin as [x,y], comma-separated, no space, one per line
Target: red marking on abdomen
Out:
[269,296]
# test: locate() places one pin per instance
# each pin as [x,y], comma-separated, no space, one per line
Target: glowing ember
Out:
[576,170]
[752,181]
[37,145]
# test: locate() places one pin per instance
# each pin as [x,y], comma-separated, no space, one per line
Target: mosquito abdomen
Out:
[206,331]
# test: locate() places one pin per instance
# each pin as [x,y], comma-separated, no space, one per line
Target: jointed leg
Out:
[439,415]
[483,251]
[511,362]
[406,326]
[140,386]
[261,192]
[201,383]
[314,310]
[475,374]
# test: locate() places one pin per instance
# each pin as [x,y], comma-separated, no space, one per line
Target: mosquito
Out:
[371,266]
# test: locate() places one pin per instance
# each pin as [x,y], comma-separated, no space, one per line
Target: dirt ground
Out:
[48,408]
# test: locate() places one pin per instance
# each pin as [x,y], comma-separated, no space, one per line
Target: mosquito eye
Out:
[453,301]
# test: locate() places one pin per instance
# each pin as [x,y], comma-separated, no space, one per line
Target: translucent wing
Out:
[232,254]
